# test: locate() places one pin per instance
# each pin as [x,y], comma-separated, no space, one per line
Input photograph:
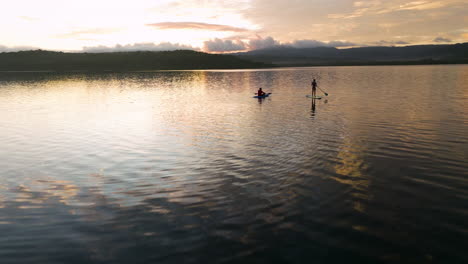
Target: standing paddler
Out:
[314,88]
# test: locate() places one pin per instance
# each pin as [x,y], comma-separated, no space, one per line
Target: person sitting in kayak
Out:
[260,92]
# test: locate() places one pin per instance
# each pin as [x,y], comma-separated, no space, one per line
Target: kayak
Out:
[262,96]
[314,97]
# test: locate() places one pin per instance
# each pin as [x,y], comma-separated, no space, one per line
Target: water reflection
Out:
[351,169]
[313,106]
[312,112]
[166,166]
[96,228]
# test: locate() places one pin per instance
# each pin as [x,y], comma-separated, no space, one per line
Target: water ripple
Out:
[185,167]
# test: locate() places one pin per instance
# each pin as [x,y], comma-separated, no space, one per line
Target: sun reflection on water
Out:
[352,170]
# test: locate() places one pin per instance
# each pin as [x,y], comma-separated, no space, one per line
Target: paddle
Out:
[323,91]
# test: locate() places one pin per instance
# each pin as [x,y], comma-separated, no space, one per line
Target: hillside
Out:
[421,54]
[40,60]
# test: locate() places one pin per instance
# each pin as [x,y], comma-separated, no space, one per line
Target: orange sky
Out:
[217,26]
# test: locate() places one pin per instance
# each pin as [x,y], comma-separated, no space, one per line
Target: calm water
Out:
[187,167]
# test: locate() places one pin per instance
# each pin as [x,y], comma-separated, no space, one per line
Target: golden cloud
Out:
[196,25]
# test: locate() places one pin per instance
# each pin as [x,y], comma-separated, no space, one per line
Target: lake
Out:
[187,167]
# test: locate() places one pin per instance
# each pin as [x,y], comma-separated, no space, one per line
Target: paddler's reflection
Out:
[312,112]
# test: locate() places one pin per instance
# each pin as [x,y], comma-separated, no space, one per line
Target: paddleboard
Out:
[263,96]
[314,97]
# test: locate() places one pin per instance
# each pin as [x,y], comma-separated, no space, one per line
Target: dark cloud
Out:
[17,48]
[269,42]
[338,44]
[219,45]
[389,43]
[165,46]
[442,40]
[196,25]
[262,43]
[226,45]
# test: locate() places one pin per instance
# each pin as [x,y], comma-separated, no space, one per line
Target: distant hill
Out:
[420,54]
[40,60]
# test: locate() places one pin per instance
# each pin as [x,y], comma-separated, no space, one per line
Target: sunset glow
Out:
[218,26]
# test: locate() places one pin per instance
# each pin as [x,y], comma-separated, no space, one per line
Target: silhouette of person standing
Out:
[314,88]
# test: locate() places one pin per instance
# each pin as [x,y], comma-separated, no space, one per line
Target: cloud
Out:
[309,43]
[389,43]
[164,46]
[16,48]
[29,19]
[422,5]
[227,45]
[465,36]
[378,7]
[87,32]
[442,40]
[219,45]
[262,43]
[367,21]
[196,25]
[338,44]
[269,42]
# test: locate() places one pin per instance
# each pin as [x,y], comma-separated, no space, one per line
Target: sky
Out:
[227,26]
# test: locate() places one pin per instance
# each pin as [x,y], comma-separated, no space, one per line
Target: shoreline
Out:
[238,69]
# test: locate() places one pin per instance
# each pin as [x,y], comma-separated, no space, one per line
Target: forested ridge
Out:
[40,60]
